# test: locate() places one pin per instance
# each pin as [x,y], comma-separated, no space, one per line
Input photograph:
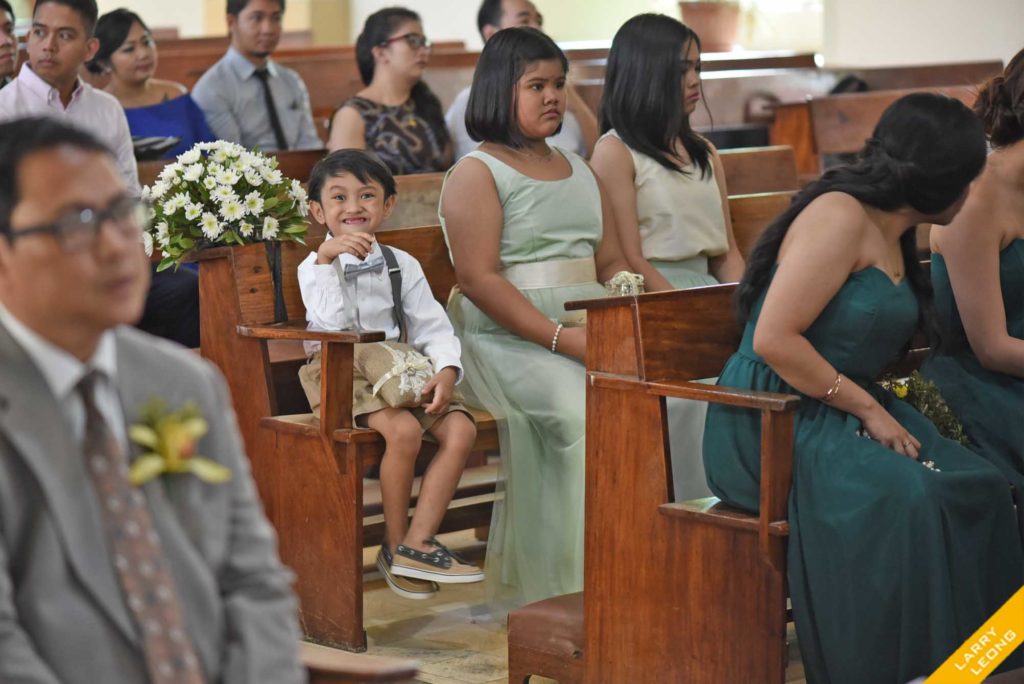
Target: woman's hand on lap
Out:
[886,430]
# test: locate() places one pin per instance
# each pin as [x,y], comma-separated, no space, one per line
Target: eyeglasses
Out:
[415,40]
[78,231]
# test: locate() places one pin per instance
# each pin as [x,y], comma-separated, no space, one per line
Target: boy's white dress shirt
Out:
[427,326]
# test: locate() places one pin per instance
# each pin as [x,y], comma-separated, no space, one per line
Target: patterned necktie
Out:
[143,573]
[275,122]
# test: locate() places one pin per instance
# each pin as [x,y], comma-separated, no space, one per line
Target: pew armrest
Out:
[332,666]
[297,330]
[713,394]
[777,414]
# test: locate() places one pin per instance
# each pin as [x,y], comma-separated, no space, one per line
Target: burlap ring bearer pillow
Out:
[385,374]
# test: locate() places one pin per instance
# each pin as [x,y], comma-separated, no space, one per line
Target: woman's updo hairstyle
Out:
[924,152]
[111,32]
[378,28]
[1000,104]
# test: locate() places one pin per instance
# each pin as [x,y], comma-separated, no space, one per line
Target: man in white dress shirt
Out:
[579,125]
[60,41]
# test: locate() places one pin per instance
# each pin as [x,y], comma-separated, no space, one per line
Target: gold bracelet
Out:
[834,392]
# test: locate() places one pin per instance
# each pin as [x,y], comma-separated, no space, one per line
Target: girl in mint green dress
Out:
[978,275]
[525,224]
[902,543]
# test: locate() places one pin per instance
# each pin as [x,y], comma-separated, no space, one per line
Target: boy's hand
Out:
[356,244]
[442,385]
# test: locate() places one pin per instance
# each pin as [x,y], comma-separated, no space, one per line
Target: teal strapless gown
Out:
[891,565]
[989,404]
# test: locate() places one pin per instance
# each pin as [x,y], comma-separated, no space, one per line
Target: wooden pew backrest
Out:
[842,123]
[751,214]
[759,169]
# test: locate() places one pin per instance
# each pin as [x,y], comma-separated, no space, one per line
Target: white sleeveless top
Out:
[679,215]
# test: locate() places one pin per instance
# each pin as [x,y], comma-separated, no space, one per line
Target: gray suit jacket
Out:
[62,615]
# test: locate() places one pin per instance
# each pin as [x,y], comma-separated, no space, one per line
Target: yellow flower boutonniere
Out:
[171,437]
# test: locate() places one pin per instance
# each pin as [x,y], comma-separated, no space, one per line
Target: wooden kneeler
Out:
[545,638]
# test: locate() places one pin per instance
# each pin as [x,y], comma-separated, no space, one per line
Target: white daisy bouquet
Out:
[220,193]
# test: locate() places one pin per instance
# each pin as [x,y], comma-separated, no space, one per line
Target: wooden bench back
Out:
[254,285]
[751,170]
[751,214]
[842,123]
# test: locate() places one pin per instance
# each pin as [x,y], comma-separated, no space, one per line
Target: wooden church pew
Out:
[703,596]
[837,124]
[310,474]
[751,214]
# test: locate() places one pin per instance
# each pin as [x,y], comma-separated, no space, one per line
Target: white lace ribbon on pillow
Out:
[412,369]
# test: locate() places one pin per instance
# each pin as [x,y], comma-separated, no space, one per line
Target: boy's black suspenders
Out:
[395,273]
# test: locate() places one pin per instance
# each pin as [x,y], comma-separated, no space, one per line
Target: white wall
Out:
[187,15]
[886,32]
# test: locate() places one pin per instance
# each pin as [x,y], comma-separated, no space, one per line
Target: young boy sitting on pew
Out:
[353,281]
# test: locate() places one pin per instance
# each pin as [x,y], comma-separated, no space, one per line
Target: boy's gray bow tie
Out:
[371,266]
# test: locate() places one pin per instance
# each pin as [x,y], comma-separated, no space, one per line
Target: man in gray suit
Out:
[101,581]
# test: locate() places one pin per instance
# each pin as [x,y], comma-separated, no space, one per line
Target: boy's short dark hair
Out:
[6,7]
[489,15]
[23,137]
[235,7]
[362,164]
[86,9]
[491,111]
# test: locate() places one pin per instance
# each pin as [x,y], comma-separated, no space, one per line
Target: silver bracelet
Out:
[554,340]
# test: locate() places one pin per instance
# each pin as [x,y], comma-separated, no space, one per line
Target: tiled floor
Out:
[453,635]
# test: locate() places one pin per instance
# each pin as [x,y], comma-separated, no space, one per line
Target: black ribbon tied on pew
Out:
[274,262]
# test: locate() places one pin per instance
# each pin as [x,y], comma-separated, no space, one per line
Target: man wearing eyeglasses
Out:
[579,125]
[248,98]
[104,578]
[8,43]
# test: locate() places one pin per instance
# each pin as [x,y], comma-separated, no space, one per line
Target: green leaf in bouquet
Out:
[270,203]
[165,263]
[186,242]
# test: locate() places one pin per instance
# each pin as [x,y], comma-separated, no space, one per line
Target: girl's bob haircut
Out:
[491,112]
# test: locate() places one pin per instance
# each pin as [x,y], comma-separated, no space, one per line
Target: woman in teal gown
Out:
[666,186]
[526,227]
[901,543]
[978,276]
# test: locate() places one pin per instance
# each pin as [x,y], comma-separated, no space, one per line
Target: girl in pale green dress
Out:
[528,230]
[667,190]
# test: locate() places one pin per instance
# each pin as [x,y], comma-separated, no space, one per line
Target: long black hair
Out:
[111,32]
[643,92]
[378,28]
[924,153]
[491,111]
[1000,104]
